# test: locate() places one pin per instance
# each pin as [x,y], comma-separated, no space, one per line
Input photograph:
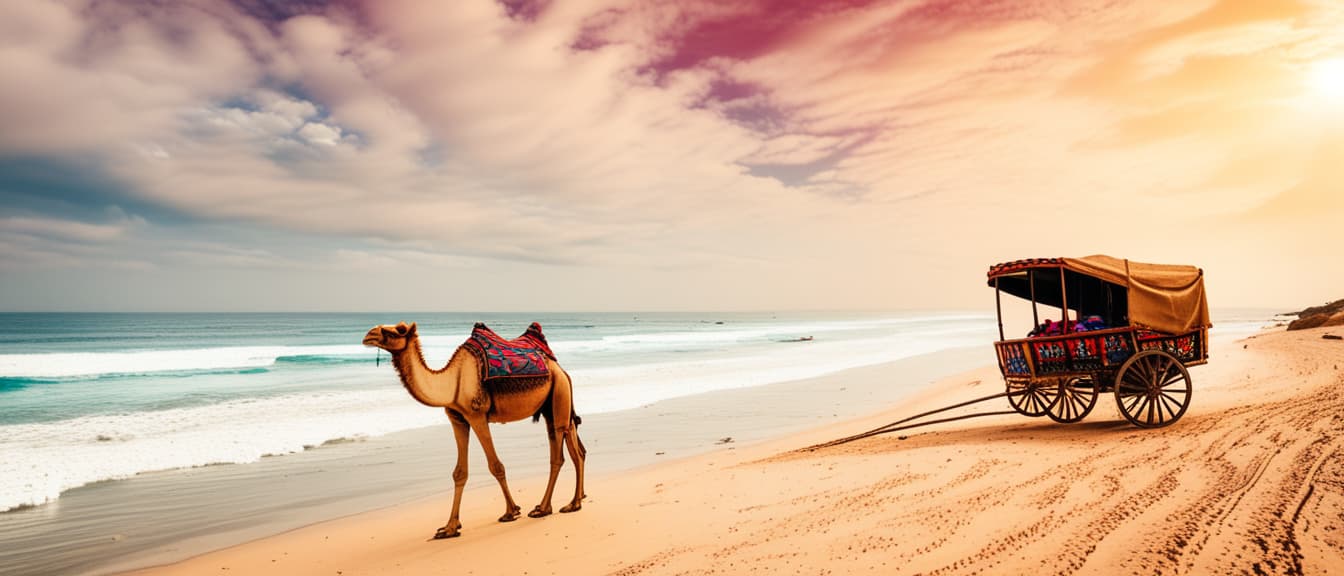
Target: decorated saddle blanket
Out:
[522,357]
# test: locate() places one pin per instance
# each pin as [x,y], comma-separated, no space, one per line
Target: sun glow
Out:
[1327,79]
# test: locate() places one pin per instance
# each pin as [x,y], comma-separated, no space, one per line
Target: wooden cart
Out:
[1127,327]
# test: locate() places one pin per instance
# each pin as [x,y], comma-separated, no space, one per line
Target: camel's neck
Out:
[429,387]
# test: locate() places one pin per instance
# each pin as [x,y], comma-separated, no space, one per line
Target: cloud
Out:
[61,230]
[63,243]
[216,255]
[97,74]
[596,136]
[318,133]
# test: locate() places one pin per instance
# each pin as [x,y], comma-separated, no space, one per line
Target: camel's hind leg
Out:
[557,461]
[577,454]
[560,406]
[567,431]
[482,429]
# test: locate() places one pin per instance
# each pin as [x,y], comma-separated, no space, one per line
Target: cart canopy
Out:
[1161,297]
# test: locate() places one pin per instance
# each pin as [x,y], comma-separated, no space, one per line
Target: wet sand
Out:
[1251,480]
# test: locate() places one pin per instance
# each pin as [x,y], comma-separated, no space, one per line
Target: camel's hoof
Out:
[538,512]
[511,515]
[444,533]
[571,508]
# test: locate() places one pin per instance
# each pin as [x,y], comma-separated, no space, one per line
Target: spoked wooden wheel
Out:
[1152,389]
[1032,398]
[1077,397]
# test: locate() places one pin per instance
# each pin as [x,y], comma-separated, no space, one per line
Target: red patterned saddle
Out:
[516,363]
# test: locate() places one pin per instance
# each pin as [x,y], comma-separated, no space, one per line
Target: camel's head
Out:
[391,338]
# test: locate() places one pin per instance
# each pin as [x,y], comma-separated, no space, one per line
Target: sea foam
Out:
[85,364]
[42,460]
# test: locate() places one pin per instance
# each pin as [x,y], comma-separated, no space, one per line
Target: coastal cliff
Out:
[1331,314]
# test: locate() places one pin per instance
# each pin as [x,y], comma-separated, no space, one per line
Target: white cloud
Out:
[97,74]
[319,133]
[61,230]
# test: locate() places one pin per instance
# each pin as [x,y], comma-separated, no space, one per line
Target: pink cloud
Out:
[696,134]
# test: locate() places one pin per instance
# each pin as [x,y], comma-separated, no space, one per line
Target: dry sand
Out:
[1251,480]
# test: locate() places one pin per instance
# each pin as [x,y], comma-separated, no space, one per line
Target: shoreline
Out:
[1258,458]
[168,516]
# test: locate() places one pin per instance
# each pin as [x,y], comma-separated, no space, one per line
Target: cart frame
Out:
[1062,375]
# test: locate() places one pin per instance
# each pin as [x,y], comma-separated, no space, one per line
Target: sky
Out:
[577,155]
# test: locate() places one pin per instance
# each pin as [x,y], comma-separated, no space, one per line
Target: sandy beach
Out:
[1251,480]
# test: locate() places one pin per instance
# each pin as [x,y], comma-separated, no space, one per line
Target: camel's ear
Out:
[411,330]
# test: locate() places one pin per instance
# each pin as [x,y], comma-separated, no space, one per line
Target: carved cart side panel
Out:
[1013,359]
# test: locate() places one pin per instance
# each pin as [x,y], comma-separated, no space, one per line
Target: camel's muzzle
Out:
[373,338]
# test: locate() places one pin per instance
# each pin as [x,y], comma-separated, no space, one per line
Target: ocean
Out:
[92,397]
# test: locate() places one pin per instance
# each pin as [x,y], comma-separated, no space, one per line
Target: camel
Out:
[471,406]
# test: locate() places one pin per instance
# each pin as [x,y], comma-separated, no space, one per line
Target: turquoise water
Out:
[90,397]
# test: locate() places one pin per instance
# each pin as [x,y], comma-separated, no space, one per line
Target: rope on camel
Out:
[897,425]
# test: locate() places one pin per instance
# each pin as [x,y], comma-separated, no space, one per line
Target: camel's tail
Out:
[546,406]
[573,417]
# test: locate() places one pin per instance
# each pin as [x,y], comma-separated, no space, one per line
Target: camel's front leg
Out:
[461,432]
[557,461]
[511,510]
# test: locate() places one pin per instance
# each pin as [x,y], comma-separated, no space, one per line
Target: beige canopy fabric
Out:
[1162,297]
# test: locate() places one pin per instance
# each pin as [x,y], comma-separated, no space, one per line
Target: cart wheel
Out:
[1032,398]
[1152,389]
[1077,396]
